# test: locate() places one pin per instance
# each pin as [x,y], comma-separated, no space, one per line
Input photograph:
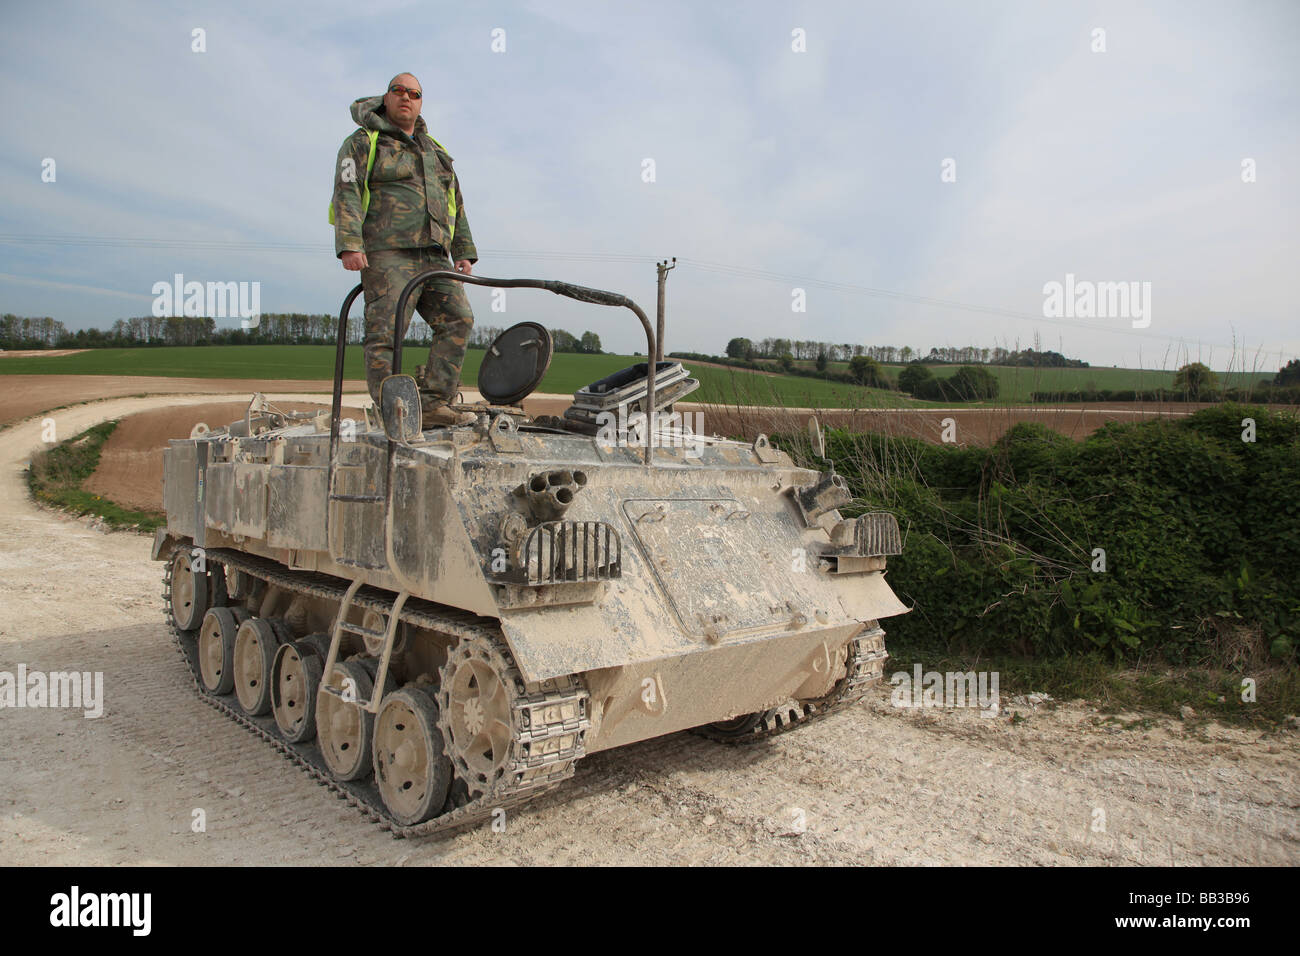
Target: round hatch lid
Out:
[515,363]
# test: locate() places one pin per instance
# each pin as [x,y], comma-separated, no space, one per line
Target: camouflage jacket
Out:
[403,213]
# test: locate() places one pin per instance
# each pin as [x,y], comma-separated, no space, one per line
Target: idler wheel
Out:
[412,769]
[189,591]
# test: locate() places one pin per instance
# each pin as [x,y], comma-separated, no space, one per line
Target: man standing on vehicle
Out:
[397,211]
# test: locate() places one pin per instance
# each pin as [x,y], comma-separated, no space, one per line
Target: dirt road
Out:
[130,469]
[874,784]
[38,353]
[24,395]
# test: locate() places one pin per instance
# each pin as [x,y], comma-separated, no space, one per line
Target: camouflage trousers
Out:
[441,302]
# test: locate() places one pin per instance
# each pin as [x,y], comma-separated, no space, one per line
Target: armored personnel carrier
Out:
[438,623]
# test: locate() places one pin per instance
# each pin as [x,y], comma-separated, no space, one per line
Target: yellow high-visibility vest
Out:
[365,186]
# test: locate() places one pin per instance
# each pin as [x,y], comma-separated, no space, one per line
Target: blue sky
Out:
[818,169]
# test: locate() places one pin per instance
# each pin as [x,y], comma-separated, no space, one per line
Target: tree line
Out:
[1194,382]
[271,328]
[586,344]
[798,350]
[26,332]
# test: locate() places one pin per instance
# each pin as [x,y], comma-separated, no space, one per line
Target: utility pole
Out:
[663,268]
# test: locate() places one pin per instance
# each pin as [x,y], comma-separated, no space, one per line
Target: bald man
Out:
[414,220]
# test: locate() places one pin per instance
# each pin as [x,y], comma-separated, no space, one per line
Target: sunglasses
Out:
[399,90]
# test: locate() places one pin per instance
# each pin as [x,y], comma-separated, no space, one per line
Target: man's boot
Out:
[435,411]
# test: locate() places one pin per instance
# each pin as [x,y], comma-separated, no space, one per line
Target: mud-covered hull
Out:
[717,586]
[717,573]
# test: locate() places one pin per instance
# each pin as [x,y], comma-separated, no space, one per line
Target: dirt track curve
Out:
[872,785]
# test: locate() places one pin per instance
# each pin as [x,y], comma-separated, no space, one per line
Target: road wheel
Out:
[344,730]
[255,647]
[295,684]
[411,767]
[217,651]
[737,728]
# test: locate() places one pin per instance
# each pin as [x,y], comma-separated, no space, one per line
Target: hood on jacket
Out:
[368,113]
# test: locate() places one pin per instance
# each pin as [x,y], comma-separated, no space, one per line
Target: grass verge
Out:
[1213,691]
[56,475]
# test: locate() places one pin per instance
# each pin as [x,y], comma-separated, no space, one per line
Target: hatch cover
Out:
[515,363]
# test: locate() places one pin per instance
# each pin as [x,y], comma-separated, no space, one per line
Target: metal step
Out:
[358,629]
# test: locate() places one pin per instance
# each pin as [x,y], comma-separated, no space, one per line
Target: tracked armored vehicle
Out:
[440,623]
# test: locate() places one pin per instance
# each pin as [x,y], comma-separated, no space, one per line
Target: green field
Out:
[1018,383]
[568,373]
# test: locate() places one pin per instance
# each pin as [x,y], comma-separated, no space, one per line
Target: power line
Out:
[768,276]
[135,242]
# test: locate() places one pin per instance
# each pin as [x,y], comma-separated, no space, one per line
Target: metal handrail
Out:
[336,408]
[579,292]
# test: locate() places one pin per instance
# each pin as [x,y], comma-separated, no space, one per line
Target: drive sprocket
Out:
[500,732]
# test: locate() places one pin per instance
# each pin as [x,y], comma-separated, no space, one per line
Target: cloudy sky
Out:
[794,146]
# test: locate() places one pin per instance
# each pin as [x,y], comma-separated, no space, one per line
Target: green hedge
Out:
[1198,527]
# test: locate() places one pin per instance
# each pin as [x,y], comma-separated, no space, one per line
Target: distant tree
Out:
[1196,380]
[740,348]
[787,360]
[821,361]
[1288,374]
[866,371]
[481,336]
[911,378]
[971,383]
[564,341]
[591,343]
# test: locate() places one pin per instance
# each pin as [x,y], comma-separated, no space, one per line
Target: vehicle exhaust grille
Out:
[556,552]
[877,534]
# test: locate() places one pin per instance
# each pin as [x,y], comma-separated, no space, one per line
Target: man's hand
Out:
[355,261]
[463,265]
